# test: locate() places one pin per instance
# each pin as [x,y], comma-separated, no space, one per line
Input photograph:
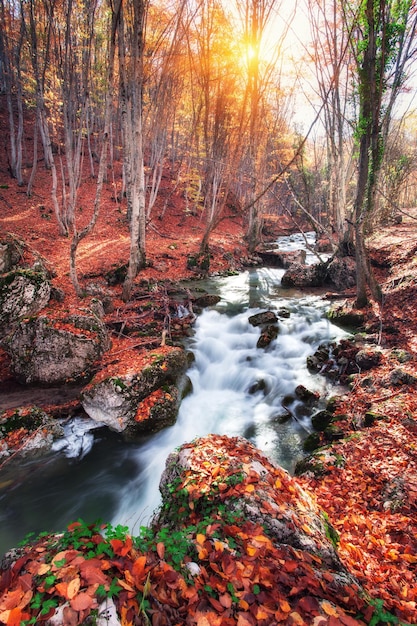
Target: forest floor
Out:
[369,484]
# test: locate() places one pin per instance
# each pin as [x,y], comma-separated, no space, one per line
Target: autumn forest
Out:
[209,91]
[147,147]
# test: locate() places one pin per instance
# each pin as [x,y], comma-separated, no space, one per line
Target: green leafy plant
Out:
[380,616]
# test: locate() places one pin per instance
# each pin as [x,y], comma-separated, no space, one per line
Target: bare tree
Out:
[11,43]
[131,39]
[79,235]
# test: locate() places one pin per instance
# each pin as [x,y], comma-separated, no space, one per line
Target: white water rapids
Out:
[237,389]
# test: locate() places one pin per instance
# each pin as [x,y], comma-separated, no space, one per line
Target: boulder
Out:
[265,317]
[22,293]
[346,316]
[342,273]
[56,350]
[267,336]
[27,430]
[142,396]
[11,252]
[257,511]
[283,259]
[207,299]
[302,276]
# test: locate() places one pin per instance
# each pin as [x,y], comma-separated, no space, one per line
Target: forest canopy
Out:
[211,93]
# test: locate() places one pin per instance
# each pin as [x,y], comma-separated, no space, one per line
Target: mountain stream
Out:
[237,389]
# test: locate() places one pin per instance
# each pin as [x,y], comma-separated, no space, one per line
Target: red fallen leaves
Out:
[253,582]
[241,576]
[371,499]
[145,407]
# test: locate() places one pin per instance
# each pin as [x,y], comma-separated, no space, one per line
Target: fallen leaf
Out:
[160,549]
[73,587]
[329,609]
[81,602]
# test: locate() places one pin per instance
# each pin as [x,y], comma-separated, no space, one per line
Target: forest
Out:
[207,93]
[148,146]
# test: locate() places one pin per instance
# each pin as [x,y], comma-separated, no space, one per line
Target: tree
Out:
[332,63]
[256,16]
[11,43]
[131,39]
[383,44]
[79,235]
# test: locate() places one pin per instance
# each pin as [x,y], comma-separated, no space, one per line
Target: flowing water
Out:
[237,389]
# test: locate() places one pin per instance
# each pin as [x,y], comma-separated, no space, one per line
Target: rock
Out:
[22,293]
[267,336]
[283,259]
[139,397]
[305,275]
[56,350]
[367,358]
[400,377]
[259,385]
[284,312]
[346,317]
[306,395]
[321,420]
[12,251]
[208,299]
[265,317]
[342,273]
[265,512]
[199,262]
[36,431]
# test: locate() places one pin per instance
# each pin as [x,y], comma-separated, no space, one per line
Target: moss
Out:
[312,442]
[310,465]
[29,419]
[321,420]
[331,533]
[371,417]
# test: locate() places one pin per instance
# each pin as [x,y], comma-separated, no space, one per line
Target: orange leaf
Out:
[121,548]
[329,609]
[73,588]
[226,600]
[284,605]
[138,569]
[160,548]
[62,589]
[82,601]
[11,599]
[15,617]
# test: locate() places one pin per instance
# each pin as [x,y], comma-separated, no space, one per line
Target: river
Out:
[237,389]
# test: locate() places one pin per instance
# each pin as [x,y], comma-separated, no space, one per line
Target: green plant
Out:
[380,616]
[144,602]
[331,534]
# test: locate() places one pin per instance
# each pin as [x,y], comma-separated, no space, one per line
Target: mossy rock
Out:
[199,262]
[321,420]
[346,317]
[310,465]
[312,442]
[370,418]
[333,433]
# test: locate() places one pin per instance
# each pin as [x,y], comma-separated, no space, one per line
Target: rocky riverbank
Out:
[363,474]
